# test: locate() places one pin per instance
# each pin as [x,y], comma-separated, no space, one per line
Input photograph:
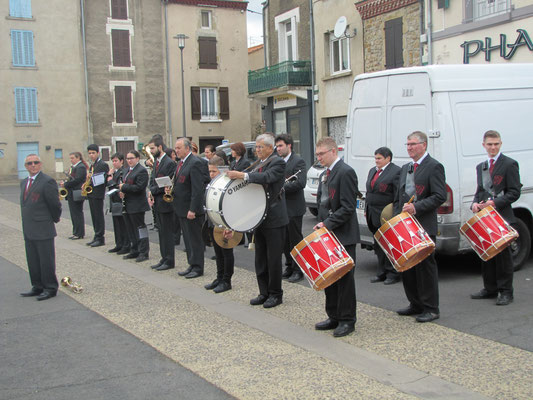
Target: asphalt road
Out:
[458,277]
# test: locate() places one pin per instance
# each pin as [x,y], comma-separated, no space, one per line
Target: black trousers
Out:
[269,244]
[421,284]
[385,268]
[165,222]
[341,303]
[194,244]
[76,216]
[41,258]
[121,234]
[133,223]
[498,273]
[294,236]
[177,229]
[225,261]
[97,215]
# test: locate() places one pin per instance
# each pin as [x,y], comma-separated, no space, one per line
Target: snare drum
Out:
[235,204]
[488,233]
[404,241]
[322,258]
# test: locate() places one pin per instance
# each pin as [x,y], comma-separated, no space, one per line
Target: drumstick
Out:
[411,199]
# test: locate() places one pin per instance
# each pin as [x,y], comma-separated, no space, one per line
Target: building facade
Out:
[42,90]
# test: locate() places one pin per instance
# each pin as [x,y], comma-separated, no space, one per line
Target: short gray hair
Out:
[266,139]
[420,136]
[186,142]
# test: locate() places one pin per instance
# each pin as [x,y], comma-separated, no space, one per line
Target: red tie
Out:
[28,186]
[415,165]
[179,167]
[327,174]
[156,165]
[491,167]
[376,176]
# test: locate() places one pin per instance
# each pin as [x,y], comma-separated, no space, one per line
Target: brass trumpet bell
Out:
[75,287]
[63,193]
[169,198]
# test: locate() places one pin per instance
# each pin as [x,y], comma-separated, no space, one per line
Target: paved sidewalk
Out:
[256,353]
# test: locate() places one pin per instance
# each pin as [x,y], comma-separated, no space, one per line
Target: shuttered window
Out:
[208,52]
[209,103]
[123,105]
[119,9]
[20,8]
[393,43]
[224,102]
[26,105]
[22,48]
[120,40]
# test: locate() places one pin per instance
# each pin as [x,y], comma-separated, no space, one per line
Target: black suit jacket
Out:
[189,186]
[240,165]
[99,167]
[505,185]
[135,183]
[430,182]
[166,167]
[78,175]
[294,190]
[117,179]
[381,194]
[272,177]
[41,209]
[338,212]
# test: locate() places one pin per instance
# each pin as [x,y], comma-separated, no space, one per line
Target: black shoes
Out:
[296,276]
[97,243]
[156,266]
[186,272]
[326,325]
[377,278]
[74,237]
[141,258]
[409,311]
[193,274]
[212,285]
[114,250]
[258,300]
[484,294]
[124,250]
[344,328]
[287,273]
[91,242]
[164,267]
[223,287]
[504,299]
[45,296]
[391,281]
[273,301]
[427,317]
[32,292]
[130,256]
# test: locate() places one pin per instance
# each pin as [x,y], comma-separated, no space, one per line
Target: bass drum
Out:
[238,205]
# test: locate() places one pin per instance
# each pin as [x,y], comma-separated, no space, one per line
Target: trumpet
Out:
[146,152]
[75,287]
[169,197]
[86,188]
[63,193]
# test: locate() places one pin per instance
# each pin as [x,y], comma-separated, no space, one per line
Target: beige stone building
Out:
[256,60]
[215,63]
[480,31]
[42,89]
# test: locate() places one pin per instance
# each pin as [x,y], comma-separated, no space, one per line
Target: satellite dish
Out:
[340,27]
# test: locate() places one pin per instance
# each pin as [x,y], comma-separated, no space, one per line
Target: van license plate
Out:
[360,204]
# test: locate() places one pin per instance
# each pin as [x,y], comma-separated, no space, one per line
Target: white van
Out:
[454,105]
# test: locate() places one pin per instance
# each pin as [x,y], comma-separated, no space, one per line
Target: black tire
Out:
[521,247]
[313,211]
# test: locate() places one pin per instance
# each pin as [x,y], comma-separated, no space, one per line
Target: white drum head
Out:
[243,205]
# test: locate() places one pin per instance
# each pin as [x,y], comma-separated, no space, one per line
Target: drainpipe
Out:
[169,118]
[313,82]
[265,41]
[87,107]
[430,33]
[422,31]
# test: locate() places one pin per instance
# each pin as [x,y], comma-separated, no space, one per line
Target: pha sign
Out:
[472,48]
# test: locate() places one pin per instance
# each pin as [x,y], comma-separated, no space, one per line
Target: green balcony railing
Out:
[287,73]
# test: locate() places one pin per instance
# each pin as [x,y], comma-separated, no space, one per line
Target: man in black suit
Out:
[498,185]
[40,208]
[270,234]
[190,179]
[96,197]
[336,203]
[116,176]
[133,191]
[424,179]
[381,186]
[164,211]
[77,176]
[295,179]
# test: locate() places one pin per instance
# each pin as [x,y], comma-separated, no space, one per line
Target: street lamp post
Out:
[181,44]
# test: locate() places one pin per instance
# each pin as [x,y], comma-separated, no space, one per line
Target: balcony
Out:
[287,73]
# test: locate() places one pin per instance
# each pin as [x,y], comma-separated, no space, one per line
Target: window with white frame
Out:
[123,101]
[287,26]
[208,101]
[339,50]
[20,8]
[206,19]
[22,48]
[26,105]
[489,8]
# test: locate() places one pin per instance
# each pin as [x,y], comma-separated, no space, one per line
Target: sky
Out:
[255,22]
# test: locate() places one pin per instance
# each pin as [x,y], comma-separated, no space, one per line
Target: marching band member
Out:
[498,185]
[425,179]
[96,197]
[336,200]
[116,176]
[77,177]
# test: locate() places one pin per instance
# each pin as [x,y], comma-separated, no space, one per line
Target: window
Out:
[208,52]
[123,105]
[206,19]
[287,26]
[209,103]
[120,41]
[20,8]
[393,43]
[119,9]
[26,105]
[480,9]
[280,122]
[58,154]
[22,48]
[339,54]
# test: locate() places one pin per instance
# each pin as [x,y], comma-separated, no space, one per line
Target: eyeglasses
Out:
[33,163]
[259,147]
[413,144]
[131,158]
[321,154]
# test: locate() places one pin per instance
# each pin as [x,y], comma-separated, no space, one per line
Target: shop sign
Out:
[284,101]
[472,48]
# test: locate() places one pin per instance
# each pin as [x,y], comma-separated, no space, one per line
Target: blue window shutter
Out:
[31,95]
[20,105]
[26,105]
[22,48]
[20,8]
[26,8]
[28,49]
[16,48]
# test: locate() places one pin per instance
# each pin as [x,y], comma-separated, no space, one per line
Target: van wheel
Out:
[313,211]
[521,247]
